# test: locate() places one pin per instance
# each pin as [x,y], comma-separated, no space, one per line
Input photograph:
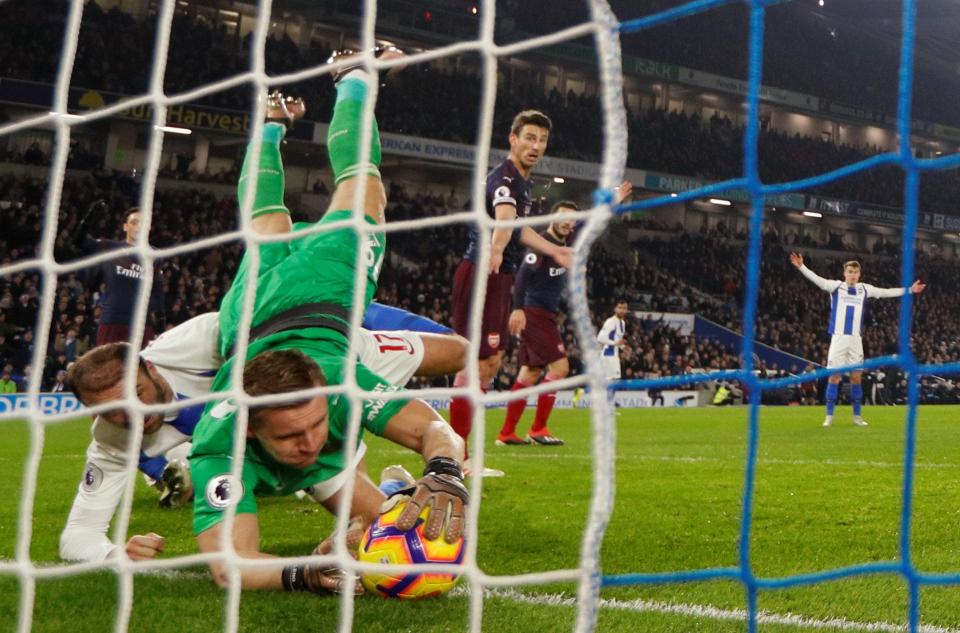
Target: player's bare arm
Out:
[622,191]
[246,541]
[418,427]
[143,546]
[364,508]
[517,322]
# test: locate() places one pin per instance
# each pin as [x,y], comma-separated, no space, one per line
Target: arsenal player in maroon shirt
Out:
[122,277]
[508,197]
[537,289]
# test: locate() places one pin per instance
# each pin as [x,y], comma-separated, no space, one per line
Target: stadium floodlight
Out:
[559,180]
[673,195]
[813,214]
[174,130]
[721,202]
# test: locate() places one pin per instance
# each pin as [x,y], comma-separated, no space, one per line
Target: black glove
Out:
[441,490]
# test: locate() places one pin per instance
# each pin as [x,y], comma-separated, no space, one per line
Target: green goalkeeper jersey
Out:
[314,269]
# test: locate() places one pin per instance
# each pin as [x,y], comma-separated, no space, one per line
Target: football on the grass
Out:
[384,543]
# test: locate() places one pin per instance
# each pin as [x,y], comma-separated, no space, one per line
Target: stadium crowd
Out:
[193,283]
[671,270]
[429,102]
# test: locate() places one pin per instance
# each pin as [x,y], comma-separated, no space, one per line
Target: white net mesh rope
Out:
[602,27]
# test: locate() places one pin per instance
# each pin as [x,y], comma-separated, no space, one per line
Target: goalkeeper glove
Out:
[441,490]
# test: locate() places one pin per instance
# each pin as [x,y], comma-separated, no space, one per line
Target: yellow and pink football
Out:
[384,543]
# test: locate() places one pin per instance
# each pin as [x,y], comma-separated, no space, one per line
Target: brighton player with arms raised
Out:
[537,290]
[299,340]
[508,197]
[848,306]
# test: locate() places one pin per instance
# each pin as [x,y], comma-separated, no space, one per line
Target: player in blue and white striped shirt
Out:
[611,338]
[848,307]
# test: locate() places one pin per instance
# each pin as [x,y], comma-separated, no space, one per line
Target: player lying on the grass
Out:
[180,364]
[848,307]
[537,289]
[299,339]
[301,444]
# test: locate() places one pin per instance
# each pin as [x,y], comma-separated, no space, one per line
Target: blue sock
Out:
[856,398]
[381,317]
[832,389]
[152,466]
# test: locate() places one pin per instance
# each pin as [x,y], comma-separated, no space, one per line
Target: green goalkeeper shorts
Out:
[316,268]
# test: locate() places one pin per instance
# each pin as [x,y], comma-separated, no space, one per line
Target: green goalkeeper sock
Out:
[269,196]
[343,136]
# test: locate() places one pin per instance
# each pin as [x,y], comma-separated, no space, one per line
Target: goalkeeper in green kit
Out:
[299,340]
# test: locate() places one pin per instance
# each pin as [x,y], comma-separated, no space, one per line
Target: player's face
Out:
[149,391]
[563,228]
[620,310]
[131,226]
[294,436]
[529,145]
[851,275]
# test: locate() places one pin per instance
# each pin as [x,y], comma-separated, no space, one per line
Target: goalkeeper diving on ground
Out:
[159,382]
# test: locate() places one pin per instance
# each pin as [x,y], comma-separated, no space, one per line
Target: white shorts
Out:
[611,367]
[326,489]
[394,356]
[845,349]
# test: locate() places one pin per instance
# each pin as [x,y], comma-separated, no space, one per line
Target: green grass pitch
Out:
[825,498]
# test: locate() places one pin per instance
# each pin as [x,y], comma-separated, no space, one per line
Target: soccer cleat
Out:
[545,439]
[860,421]
[380,52]
[511,440]
[487,472]
[577,394]
[284,109]
[397,472]
[828,421]
[175,485]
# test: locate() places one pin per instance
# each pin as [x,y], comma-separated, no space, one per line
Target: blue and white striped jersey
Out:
[612,331]
[848,304]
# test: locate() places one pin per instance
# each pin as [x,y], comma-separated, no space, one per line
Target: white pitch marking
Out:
[542,453]
[712,613]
